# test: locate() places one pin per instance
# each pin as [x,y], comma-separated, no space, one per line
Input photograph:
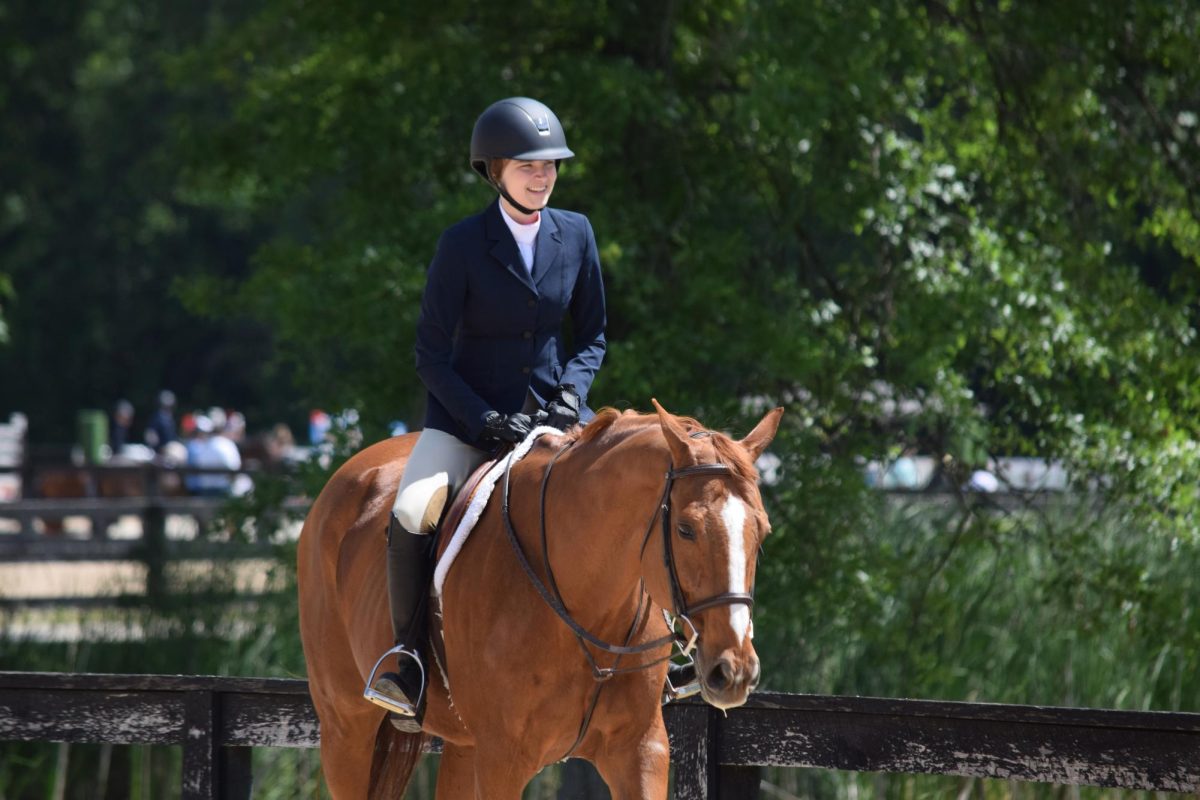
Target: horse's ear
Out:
[757,440]
[676,435]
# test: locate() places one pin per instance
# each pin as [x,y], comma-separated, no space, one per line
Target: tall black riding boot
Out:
[408,571]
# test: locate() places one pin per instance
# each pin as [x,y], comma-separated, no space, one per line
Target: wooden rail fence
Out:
[218,721]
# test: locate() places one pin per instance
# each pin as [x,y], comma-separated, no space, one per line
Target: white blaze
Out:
[734,516]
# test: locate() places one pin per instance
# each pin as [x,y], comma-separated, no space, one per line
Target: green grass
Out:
[1066,604]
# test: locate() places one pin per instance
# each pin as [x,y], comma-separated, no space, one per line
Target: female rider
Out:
[490,352]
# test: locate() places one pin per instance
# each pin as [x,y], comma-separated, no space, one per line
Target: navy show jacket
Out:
[489,333]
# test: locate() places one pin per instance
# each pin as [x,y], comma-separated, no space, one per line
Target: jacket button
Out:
[526,370]
[528,334]
[531,303]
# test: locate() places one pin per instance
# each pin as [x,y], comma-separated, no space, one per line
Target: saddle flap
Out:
[458,505]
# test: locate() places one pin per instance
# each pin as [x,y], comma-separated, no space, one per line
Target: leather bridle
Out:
[682,609]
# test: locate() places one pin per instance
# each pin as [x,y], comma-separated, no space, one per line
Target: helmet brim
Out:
[480,163]
[544,154]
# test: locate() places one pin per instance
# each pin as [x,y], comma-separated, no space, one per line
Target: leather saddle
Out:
[451,517]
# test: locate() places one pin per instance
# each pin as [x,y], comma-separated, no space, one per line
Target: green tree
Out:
[965,228]
[968,228]
[94,234]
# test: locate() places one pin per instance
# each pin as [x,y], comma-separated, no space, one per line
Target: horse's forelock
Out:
[736,457]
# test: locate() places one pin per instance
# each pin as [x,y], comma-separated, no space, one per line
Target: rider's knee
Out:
[419,507]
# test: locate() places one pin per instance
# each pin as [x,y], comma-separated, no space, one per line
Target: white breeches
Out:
[438,466]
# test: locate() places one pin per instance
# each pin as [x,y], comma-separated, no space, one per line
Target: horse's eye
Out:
[686,532]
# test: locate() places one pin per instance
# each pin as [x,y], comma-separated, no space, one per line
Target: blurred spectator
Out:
[235,427]
[902,473]
[231,456]
[279,444]
[218,417]
[210,449]
[983,481]
[120,425]
[319,424]
[161,429]
[174,454]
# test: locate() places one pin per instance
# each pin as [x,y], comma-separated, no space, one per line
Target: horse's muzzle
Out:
[728,681]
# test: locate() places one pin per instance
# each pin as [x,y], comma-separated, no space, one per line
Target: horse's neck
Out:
[598,516]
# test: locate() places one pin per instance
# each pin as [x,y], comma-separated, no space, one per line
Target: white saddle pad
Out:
[479,503]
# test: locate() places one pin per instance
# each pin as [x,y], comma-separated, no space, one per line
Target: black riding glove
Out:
[511,428]
[563,407]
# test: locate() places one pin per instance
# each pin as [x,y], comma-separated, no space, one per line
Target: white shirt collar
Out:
[524,234]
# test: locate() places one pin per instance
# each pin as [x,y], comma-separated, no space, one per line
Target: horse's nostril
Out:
[721,675]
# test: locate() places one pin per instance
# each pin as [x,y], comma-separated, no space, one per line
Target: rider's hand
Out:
[511,428]
[563,408]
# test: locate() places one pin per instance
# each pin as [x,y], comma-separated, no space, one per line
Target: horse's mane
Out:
[611,426]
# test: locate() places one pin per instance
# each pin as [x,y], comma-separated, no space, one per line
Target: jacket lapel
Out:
[549,245]
[504,246]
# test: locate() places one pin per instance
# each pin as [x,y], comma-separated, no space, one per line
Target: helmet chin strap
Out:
[504,193]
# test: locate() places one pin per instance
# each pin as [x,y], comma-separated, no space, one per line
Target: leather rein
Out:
[682,609]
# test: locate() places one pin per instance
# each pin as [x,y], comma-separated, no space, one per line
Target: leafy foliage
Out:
[982,214]
[94,231]
[965,228]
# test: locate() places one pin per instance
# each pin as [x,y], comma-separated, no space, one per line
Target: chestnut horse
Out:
[522,693]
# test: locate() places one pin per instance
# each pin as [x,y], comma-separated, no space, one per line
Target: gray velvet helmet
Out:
[520,128]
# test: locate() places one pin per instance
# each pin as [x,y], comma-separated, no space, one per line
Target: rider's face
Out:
[529,182]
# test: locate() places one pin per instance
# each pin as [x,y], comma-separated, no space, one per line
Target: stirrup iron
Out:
[371,694]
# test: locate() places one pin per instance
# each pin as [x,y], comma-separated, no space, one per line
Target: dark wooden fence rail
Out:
[218,721]
[152,547]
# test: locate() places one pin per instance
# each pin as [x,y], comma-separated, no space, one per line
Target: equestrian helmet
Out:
[519,128]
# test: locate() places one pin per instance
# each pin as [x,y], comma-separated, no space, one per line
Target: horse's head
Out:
[706,549]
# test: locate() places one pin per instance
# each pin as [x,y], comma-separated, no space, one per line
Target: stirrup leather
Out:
[384,701]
